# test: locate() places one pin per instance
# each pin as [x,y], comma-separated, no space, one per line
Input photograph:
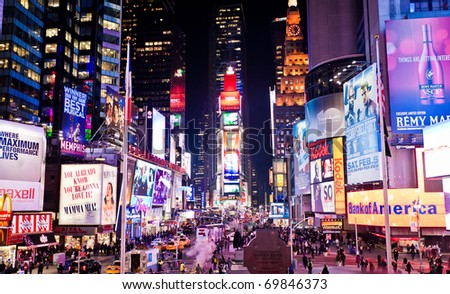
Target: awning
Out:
[38,240]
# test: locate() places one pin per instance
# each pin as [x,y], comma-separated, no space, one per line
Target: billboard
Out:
[230,119]
[175,121]
[22,160]
[114,120]
[301,159]
[322,176]
[231,141]
[73,123]
[86,194]
[142,192]
[231,162]
[31,223]
[437,150]
[177,92]
[186,163]
[419,72]
[162,186]
[230,101]
[158,134]
[362,129]
[446,186]
[367,208]
[279,210]
[325,117]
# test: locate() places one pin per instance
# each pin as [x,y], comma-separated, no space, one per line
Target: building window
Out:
[50,48]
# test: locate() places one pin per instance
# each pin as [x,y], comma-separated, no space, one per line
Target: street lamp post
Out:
[417,206]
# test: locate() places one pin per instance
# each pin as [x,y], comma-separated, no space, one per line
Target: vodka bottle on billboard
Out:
[431,77]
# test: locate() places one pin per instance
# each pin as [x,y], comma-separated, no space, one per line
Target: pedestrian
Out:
[305,261]
[310,266]
[358,260]
[325,269]
[60,268]
[409,267]
[41,268]
[182,267]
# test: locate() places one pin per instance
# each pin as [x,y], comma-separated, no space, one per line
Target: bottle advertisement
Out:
[418,60]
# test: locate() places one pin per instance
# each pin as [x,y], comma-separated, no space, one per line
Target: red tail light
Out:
[84,267]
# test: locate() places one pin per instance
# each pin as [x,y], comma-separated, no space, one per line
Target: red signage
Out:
[177,102]
[31,223]
[230,101]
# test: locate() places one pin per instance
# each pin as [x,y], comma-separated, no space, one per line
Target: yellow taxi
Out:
[158,244]
[113,268]
[172,246]
[185,241]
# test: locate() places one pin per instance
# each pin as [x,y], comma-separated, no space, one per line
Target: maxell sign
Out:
[22,161]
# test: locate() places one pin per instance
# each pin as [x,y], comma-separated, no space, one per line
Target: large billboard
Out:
[162,186]
[325,117]
[114,121]
[301,159]
[362,129]
[158,134]
[231,170]
[230,101]
[419,72]
[367,208]
[322,176]
[22,162]
[230,119]
[437,150]
[73,122]
[88,194]
[177,92]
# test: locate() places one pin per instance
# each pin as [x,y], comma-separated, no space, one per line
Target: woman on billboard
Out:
[109,207]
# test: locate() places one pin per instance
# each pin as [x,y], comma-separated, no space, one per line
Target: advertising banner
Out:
[230,119]
[186,163]
[419,72]
[367,208]
[437,150]
[362,129]
[161,190]
[322,176]
[230,101]
[82,194]
[331,225]
[231,165]
[231,141]
[177,102]
[325,117]
[279,210]
[158,134]
[175,121]
[22,151]
[339,175]
[109,203]
[31,223]
[74,122]
[446,186]
[301,159]
[114,120]
[144,179]
[177,92]
[25,196]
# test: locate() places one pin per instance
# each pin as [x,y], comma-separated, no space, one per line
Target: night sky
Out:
[194,18]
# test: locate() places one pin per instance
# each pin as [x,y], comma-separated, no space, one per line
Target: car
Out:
[86,266]
[113,268]
[158,244]
[185,241]
[172,246]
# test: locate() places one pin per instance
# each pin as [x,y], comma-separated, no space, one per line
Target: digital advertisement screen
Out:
[325,117]
[362,129]
[230,101]
[418,63]
[73,122]
[279,210]
[231,141]
[231,164]
[114,108]
[175,120]
[161,190]
[322,176]
[142,192]
[231,189]
[158,134]
[230,119]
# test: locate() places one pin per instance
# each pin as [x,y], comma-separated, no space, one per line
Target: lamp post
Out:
[417,207]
